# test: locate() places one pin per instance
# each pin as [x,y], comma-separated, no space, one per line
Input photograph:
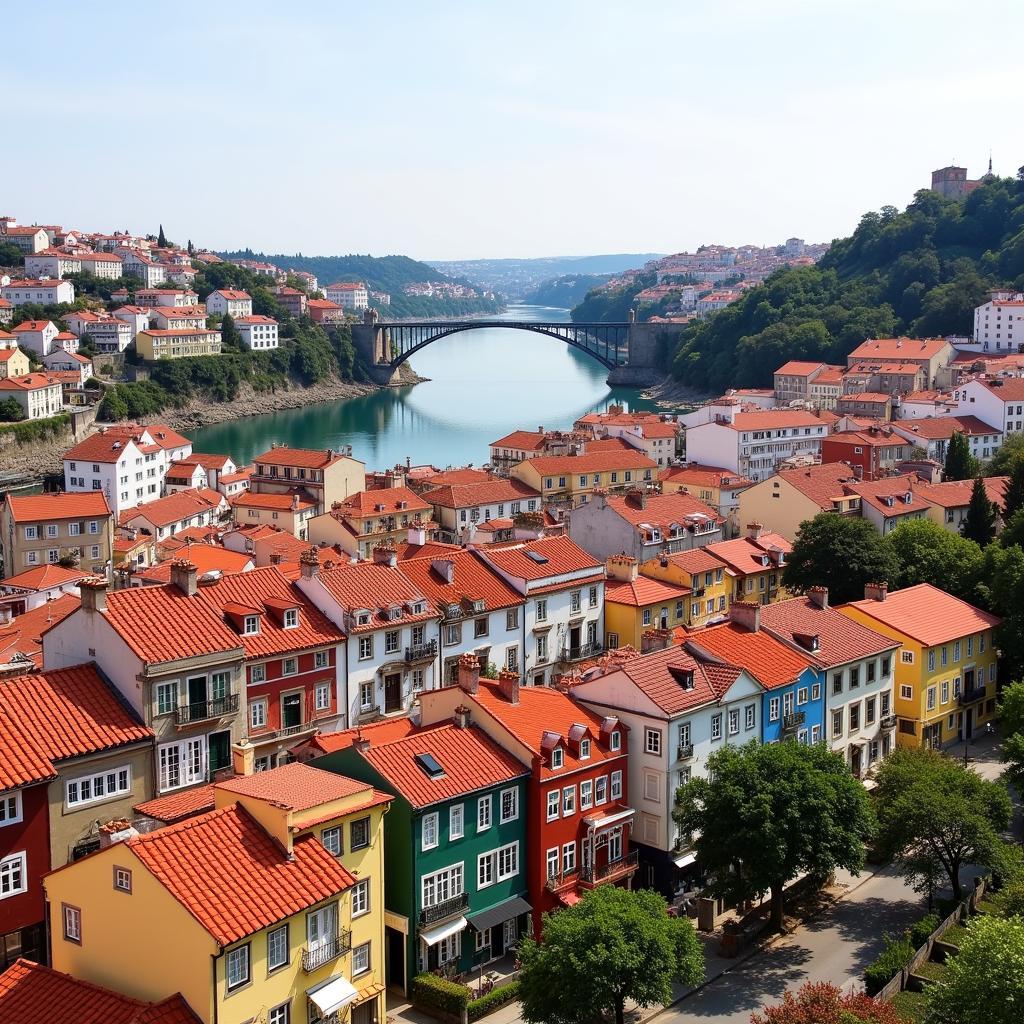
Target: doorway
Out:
[394,957]
[291,711]
[197,698]
[392,693]
[574,641]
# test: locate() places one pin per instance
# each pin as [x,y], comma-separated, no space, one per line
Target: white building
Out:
[38,394]
[137,264]
[999,323]
[348,294]
[45,292]
[152,297]
[753,444]
[177,318]
[104,265]
[60,361]
[933,433]
[259,333]
[136,317]
[52,263]
[37,336]
[997,400]
[234,303]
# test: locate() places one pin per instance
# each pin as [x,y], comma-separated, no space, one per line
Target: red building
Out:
[578,823]
[877,451]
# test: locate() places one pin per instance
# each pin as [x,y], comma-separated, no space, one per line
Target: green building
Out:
[454,841]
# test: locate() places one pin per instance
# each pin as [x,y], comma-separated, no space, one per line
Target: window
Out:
[366,695]
[10,809]
[512,618]
[557,757]
[816,691]
[122,879]
[290,667]
[568,801]
[361,959]
[509,805]
[365,648]
[322,697]
[542,611]
[749,716]
[391,640]
[277,948]
[617,785]
[237,968]
[508,861]
[906,657]
[72,920]
[906,692]
[931,661]
[456,824]
[854,717]
[869,711]
[166,698]
[483,814]
[854,677]
[773,709]
[569,858]
[575,601]
[280,1014]
[613,641]
[601,792]
[359,834]
[586,795]
[945,691]
[552,862]
[257,714]
[592,597]
[31,533]
[321,659]
[361,897]
[554,802]
[931,698]
[647,616]
[484,870]
[429,830]
[615,740]
[258,674]
[331,839]
[652,741]
[956,651]
[734,721]
[442,886]
[716,726]
[584,749]
[90,789]
[251,624]
[542,648]
[801,695]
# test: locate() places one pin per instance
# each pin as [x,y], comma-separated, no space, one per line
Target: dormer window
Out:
[418,608]
[557,758]
[251,624]
[363,618]
[615,740]
[584,749]
[291,618]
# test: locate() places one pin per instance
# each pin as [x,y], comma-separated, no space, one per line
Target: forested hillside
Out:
[564,291]
[920,272]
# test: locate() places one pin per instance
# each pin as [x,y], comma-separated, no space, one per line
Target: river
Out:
[483,384]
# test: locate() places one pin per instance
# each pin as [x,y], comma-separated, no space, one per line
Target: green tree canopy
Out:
[1013,495]
[841,553]
[1011,722]
[11,411]
[230,337]
[979,524]
[766,813]
[1000,592]
[1013,532]
[161,239]
[822,1003]
[614,945]
[927,553]
[984,982]
[931,808]
[960,463]
[1010,452]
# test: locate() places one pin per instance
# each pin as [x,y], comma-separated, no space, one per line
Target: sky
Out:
[459,130]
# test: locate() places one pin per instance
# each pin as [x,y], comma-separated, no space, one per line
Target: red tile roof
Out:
[278,502]
[232,295]
[391,499]
[663,510]
[488,492]
[896,488]
[743,555]
[179,805]
[44,577]
[205,557]
[927,614]
[521,440]
[386,731]
[957,493]
[295,786]
[173,508]
[50,716]
[470,759]
[937,428]
[767,659]
[774,419]
[703,476]
[33,994]
[556,556]
[796,368]
[593,462]
[22,634]
[695,560]
[840,638]
[231,876]
[642,591]
[472,580]
[373,587]
[1006,389]
[206,460]
[467,475]
[300,458]
[898,349]
[821,484]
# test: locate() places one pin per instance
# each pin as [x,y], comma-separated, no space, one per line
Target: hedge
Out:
[896,955]
[25,431]
[433,993]
[919,932]
[496,997]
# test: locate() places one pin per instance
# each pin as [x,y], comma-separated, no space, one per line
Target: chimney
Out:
[385,554]
[819,597]
[876,591]
[508,685]
[445,568]
[309,562]
[5,615]
[416,535]
[295,502]
[623,567]
[184,575]
[636,497]
[754,531]
[93,593]
[469,673]
[746,614]
[858,472]
[361,744]
[462,716]
[243,757]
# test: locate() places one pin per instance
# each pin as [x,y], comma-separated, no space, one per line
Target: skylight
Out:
[429,765]
[537,557]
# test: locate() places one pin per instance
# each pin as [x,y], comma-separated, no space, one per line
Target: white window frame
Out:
[483,813]
[456,821]
[554,799]
[512,812]
[13,867]
[73,787]
[233,957]
[11,808]
[616,786]
[652,742]
[568,801]
[429,831]
[361,897]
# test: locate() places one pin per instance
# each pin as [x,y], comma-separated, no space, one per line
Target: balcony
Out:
[422,652]
[202,711]
[971,696]
[793,720]
[315,957]
[887,722]
[587,650]
[369,714]
[331,1018]
[610,872]
[447,908]
[561,879]
[685,751]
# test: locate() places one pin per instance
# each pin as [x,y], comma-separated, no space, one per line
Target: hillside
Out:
[565,291]
[920,272]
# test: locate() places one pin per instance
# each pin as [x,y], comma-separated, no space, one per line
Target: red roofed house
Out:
[37,336]
[579,824]
[225,300]
[71,756]
[931,354]
[13,362]
[367,519]
[755,563]
[890,501]
[638,609]
[950,499]
[259,333]
[876,451]
[40,395]
[995,400]
[793,380]
[323,311]
[875,405]
[719,488]
[932,434]
[35,587]
[348,294]
[459,507]
[21,644]
[571,479]
[291,511]
[175,512]
[325,476]
[206,557]
[44,293]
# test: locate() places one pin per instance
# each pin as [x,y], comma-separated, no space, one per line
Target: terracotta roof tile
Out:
[695,560]
[392,499]
[466,475]
[386,731]
[29,508]
[663,510]
[594,462]
[521,440]
[369,586]
[767,659]
[295,786]
[173,508]
[553,556]
[642,591]
[898,349]
[937,428]
[301,458]
[487,492]
[822,484]
[957,493]
[22,634]
[44,577]
[179,805]
[205,557]
[744,556]
[280,502]
[703,476]
[472,580]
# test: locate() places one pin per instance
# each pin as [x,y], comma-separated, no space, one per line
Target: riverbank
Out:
[671,394]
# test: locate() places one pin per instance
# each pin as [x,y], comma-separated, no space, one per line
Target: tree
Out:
[927,553]
[932,808]
[999,591]
[979,524]
[984,982]
[614,945]
[1011,721]
[1013,493]
[229,334]
[1013,532]
[161,239]
[767,813]
[840,553]
[960,463]
[1009,453]
[11,411]
[822,1003]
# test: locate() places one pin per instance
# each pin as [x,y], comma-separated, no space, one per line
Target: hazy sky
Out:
[451,129]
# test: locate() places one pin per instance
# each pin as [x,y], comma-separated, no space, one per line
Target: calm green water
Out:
[482,384]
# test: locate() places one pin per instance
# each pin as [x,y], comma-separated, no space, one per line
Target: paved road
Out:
[836,947]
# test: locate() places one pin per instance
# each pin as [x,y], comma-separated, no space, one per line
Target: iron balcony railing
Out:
[972,696]
[201,711]
[446,908]
[587,650]
[685,751]
[793,720]
[557,879]
[421,652]
[610,870]
[314,957]
[887,722]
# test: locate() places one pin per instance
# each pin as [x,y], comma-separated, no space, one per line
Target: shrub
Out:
[433,993]
[922,929]
[496,997]
[1013,899]
[28,431]
[896,955]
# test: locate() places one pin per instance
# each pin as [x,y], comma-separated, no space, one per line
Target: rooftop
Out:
[472,580]
[22,634]
[299,458]
[295,786]
[32,508]
[767,659]
[543,559]
[642,591]
[486,492]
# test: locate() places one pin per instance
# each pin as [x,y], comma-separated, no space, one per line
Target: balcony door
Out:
[291,711]
[197,697]
[392,693]
[614,846]
[787,703]
[321,927]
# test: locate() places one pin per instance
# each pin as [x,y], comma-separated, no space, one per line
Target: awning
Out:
[502,912]
[684,859]
[332,995]
[432,936]
[607,820]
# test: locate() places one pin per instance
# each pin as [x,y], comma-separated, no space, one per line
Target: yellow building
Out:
[13,362]
[707,578]
[755,564]
[635,604]
[945,681]
[279,890]
[290,512]
[177,344]
[572,478]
